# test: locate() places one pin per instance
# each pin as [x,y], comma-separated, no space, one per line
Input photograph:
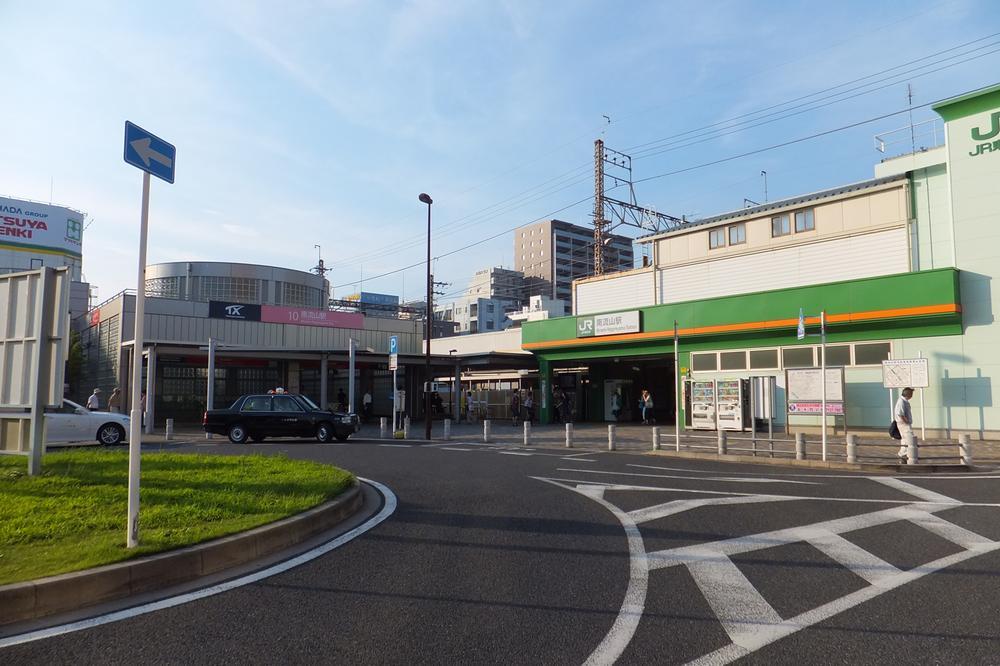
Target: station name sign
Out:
[608,324]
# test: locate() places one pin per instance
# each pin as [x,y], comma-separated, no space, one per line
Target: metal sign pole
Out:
[677,390]
[351,348]
[135,426]
[822,351]
[923,422]
[210,389]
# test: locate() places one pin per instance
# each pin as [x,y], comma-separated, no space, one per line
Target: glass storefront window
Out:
[704,362]
[871,353]
[733,360]
[797,357]
[763,359]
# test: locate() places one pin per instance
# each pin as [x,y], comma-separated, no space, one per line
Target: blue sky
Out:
[318,123]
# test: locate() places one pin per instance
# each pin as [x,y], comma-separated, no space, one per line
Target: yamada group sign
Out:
[42,226]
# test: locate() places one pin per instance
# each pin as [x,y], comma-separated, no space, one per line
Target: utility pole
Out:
[598,207]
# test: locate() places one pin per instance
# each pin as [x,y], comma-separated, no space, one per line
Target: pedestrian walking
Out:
[366,406]
[616,404]
[94,401]
[904,420]
[647,408]
[115,400]
[529,408]
[558,398]
[515,407]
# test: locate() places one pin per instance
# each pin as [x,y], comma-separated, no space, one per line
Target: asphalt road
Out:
[503,555]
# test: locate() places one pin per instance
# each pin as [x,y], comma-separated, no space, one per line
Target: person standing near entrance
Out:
[341,400]
[616,404]
[366,406]
[647,408]
[515,407]
[529,407]
[94,401]
[904,420]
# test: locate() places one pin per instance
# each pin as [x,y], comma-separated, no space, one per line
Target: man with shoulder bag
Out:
[902,423]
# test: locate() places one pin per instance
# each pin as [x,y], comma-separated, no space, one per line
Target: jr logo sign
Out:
[990,146]
[585,327]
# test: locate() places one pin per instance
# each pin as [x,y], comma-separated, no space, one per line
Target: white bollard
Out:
[852,448]
[656,438]
[168,433]
[911,450]
[527,433]
[447,429]
[569,435]
[383,427]
[722,442]
[486,430]
[800,446]
[965,449]
[611,437]
[406,428]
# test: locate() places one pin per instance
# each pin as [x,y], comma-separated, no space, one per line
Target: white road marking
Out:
[658,511]
[514,453]
[579,459]
[453,448]
[914,490]
[387,510]
[398,446]
[634,603]
[951,477]
[735,601]
[864,564]
[579,455]
[947,530]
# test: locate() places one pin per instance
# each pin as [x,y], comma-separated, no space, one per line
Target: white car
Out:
[73,423]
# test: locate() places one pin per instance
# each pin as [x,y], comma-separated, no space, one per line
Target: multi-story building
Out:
[492,294]
[553,253]
[33,235]
[902,267]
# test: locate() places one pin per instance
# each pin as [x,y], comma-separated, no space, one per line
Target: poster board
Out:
[805,391]
[905,372]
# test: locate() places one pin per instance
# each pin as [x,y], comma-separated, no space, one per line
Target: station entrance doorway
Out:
[595,389]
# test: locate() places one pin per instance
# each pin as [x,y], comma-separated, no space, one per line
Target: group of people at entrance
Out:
[645,406]
[522,407]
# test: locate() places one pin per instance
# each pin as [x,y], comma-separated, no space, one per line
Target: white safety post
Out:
[527,433]
[753,415]
[168,433]
[383,427]
[723,447]
[135,426]
[406,428]
[569,435]
[447,429]
[822,365]
[148,410]
[852,448]
[965,449]
[800,446]
[611,437]
[487,426]
[911,450]
[656,438]
[210,389]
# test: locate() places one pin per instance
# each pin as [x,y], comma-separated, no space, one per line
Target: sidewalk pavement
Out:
[637,437]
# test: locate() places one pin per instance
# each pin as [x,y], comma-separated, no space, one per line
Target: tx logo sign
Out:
[234,311]
[240,311]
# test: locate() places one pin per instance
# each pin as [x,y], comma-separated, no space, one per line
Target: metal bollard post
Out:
[406,428]
[527,433]
[800,446]
[486,430]
[611,437]
[569,435]
[168,433]
[722,442]
[383,427]
[447,429]
[965,449]
[656,438]
[911,450]
[852,448]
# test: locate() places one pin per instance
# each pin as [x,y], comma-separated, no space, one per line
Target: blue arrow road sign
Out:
[393,345]
[149,152]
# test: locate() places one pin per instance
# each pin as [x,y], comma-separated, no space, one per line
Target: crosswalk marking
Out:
[865,565]
[735,601]
[658,511]
[914,490]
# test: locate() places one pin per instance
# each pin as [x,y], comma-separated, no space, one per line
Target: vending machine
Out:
[733,397]
[703,405]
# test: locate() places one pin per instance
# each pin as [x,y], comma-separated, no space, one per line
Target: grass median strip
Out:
[73,516]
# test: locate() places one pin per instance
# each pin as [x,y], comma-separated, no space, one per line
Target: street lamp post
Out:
[428,323]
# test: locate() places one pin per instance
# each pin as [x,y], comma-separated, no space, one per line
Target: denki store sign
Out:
[41,225]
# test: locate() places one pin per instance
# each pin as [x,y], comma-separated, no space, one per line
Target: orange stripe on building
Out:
[849,317]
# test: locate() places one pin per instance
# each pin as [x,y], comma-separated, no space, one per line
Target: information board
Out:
[805,392]
[905,372]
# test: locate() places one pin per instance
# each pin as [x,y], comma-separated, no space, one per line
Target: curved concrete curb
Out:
[66,592]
